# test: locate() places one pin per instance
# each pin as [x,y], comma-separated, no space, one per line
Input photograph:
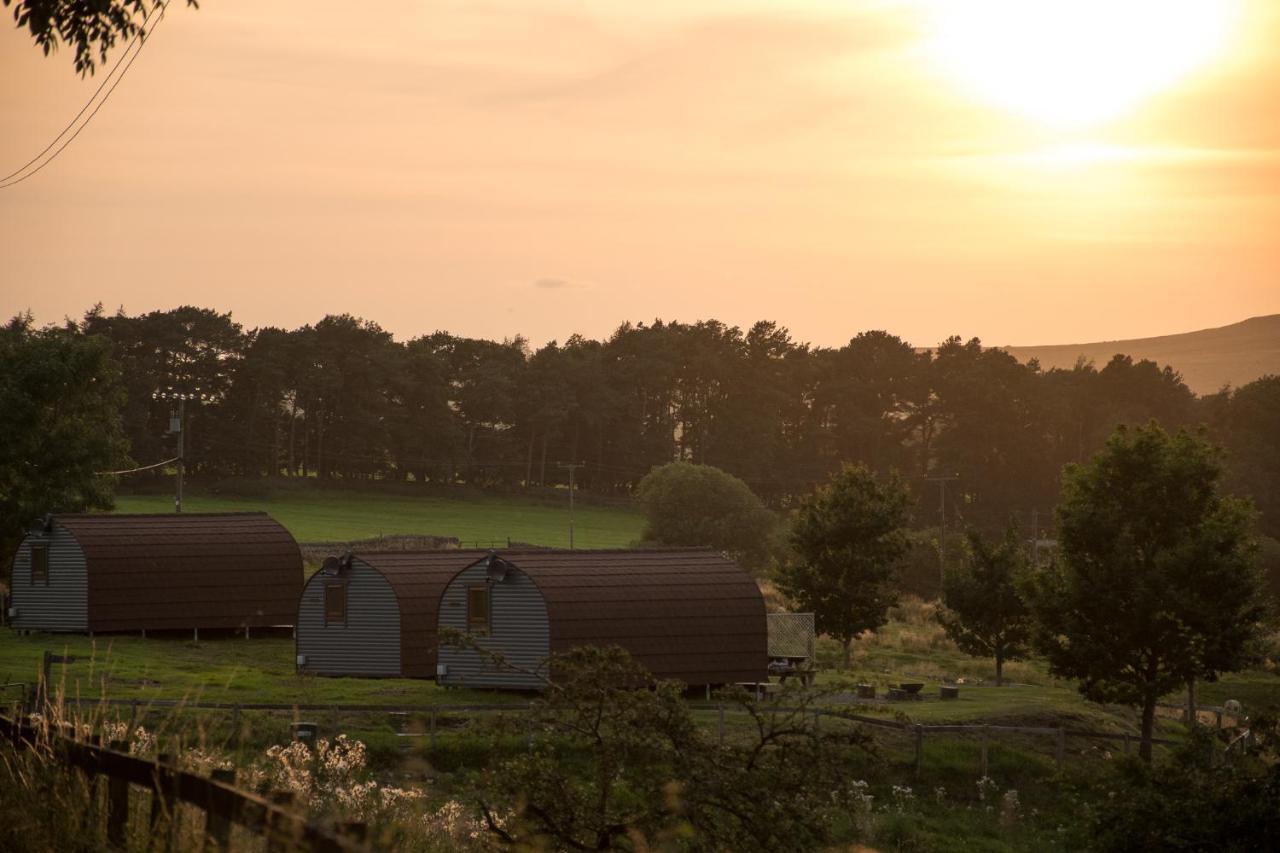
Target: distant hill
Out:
[1207,359]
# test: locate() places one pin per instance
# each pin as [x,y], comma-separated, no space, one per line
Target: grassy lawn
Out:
[339,516]
[214,670]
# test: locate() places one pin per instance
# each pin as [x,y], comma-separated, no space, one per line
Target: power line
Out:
[87,103]
[134,470]
[141,40]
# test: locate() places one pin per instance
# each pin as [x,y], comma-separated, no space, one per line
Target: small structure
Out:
[374,613]
[117,572]
[791,637]
[689,615]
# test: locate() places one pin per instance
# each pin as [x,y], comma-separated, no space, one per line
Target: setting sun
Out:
[1074,63]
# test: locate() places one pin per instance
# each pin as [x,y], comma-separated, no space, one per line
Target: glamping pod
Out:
[689,615]
[109,572]
[374,613]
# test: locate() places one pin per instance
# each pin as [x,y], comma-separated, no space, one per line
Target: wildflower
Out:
[1009,807]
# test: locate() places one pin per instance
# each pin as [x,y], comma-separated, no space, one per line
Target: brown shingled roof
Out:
[187,570]
[418,579]
[687,614]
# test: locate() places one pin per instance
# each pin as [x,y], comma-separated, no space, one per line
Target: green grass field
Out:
[341,516]
[224,669]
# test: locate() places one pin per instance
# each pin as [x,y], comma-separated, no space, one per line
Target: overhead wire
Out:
[136,470]
[140,39]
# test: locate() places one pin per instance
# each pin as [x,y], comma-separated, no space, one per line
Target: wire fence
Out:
[431,725]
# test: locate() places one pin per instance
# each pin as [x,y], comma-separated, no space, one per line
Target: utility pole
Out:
[572,466]
[179,425]
[942,526]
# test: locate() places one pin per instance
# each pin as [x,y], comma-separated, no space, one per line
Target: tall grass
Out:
[46,805]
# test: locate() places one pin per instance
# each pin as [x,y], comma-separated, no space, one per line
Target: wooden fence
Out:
[273,818]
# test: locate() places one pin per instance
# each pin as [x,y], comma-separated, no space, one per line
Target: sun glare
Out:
[1075,63]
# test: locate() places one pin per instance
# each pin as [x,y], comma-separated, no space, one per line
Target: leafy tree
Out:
[991,431]
[1156,582]
[618,762]
[687,504]
[1250,434]
[985,614]
[90,26]
[847,537]
[866,397]
[60,398]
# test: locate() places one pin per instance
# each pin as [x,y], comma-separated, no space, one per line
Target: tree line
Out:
[342,400]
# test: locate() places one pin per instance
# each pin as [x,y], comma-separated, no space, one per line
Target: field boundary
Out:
[917,731]
[221,802]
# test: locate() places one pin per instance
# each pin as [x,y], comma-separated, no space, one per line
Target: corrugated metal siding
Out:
[369,644]
[518,629]
[63,605]
[419,578]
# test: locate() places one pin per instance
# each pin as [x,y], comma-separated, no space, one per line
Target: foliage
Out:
[1156,582]
[619,762]
[91,26]
[59,395]
[847,537]
[985,614]
[700,505]
[1249,421]
[340,400]
[1185,804]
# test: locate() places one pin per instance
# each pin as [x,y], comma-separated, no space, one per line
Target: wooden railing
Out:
[273,817]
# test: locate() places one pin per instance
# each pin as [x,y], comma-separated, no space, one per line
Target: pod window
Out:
[478,609]
[335,604]
[39,564]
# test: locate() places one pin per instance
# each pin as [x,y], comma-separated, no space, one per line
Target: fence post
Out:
[217,826]
[919,748]
[984,752]
[117,803]
[721,727]
[432,730]
[91,780]
[1062,748]
[162,792]
[1126,744]
[278,841]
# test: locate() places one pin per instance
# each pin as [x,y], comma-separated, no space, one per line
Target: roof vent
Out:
[335,565]
[495,568]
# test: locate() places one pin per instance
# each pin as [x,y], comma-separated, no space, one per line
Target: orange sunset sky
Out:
[1028,172]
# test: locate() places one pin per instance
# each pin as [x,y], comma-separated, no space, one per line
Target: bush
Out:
[700,505]
[1186,805]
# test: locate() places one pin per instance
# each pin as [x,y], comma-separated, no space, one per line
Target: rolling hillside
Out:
[1207,359]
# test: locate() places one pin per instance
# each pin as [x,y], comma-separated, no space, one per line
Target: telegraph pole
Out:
[179,425]
[572,466]
[942,518]
[182,436]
